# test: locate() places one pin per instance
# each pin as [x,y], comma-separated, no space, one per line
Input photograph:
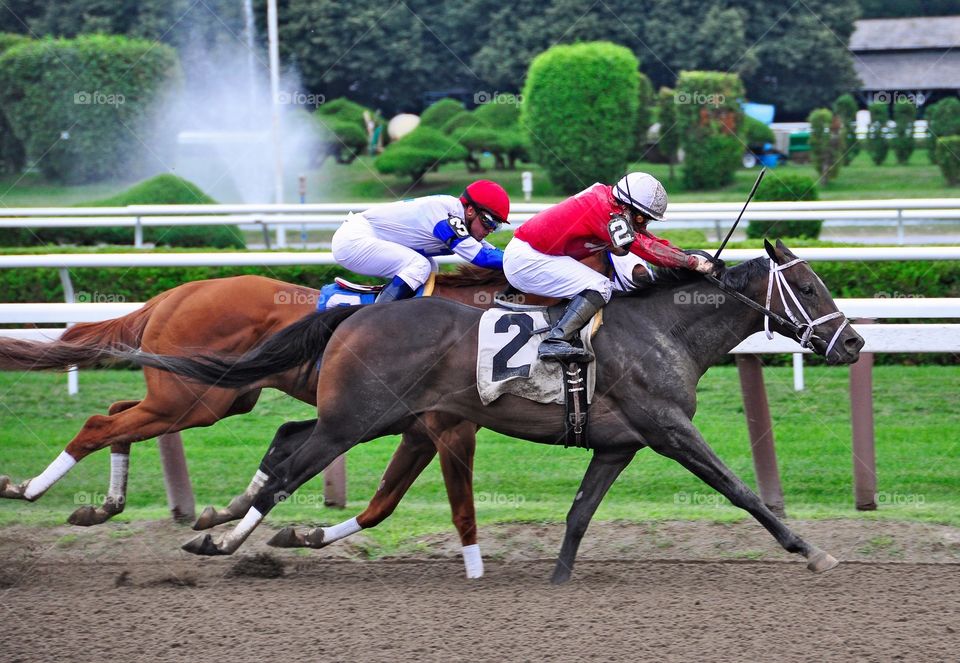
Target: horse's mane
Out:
[470,275]
[737,277]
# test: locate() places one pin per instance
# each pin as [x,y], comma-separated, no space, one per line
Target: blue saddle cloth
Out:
[333,294]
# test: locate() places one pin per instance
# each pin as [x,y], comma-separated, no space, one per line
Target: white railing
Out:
[328,216]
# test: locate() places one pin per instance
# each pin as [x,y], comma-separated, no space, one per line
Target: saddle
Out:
[357,287]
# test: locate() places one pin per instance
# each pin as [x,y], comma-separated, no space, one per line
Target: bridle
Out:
[803,330]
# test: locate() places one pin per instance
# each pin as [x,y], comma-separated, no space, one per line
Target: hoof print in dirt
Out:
[261,565]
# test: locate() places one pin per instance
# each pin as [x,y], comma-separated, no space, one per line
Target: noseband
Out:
[803,330]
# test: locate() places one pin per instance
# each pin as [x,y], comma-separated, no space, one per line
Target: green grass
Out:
[360,182]
[917,457]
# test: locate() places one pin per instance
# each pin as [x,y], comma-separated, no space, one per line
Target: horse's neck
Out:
[711,330]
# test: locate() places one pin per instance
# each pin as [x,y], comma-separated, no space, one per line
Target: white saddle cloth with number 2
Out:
[507,357]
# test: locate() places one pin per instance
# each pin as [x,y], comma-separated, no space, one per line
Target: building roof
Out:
[898,34]
[920,70]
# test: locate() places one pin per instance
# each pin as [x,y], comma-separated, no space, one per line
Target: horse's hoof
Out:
[202,545]
[9,491]
[286,538]
[560,577]
[314,538]
[207,519]
[85,516]
[820,561]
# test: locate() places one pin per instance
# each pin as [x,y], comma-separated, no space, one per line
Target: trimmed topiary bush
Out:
[160,190]
[904,113]
[498,116]
[83,108]
[343,140]
[948,158]
[846,108]
[755,133]
[344,110]
[827,145]
[12,157]
[418,152]
[580,110]
[436,115]
[877,144]
[943,119]
[709,116]
[777,186]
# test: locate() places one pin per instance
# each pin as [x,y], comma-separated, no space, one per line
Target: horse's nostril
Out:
[853,344]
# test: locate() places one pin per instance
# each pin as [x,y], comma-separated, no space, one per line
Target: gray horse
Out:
[385,367]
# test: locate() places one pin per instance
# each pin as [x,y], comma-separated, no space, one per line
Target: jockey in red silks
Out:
[542,258]
[399,240]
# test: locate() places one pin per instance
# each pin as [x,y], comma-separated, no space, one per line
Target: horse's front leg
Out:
[456,446]
[672,434]
[604,468]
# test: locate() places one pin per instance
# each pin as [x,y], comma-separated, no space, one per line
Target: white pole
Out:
[273,37]
[798,371]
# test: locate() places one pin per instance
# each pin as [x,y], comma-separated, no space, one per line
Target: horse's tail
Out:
[298,345]
[83,344]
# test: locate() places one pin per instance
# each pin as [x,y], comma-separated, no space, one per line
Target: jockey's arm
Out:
[480,254]
[661,252]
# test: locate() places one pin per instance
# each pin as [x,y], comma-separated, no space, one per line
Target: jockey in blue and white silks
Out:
[398,240]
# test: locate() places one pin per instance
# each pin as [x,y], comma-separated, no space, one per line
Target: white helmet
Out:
[644,192]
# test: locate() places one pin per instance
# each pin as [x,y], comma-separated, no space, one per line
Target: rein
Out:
[804,331]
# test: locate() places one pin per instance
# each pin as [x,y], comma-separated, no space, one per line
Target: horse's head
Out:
[798,292]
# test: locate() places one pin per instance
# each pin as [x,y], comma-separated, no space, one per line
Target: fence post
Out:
[138,234]
[861,418]
[757,411]
[176,477]
[335,482]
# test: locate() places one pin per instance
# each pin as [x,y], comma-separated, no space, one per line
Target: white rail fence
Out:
[328,216]
[911,338]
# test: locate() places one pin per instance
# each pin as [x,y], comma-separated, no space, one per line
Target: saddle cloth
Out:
[507,356]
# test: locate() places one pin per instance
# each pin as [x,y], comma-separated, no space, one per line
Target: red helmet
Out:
[488,196]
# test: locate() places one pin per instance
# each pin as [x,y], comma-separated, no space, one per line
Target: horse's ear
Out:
[772,252]
[784,251]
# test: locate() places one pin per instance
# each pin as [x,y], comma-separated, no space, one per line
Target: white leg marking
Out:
[473,561]
[243,529]
[343,530]
[39,485]
[258,481]
[119,468]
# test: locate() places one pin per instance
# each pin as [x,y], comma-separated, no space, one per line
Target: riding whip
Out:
[740,216]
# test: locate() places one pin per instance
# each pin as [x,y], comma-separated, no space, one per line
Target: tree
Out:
[827,142]
[877,144]
[904,113]
[846,108]
[417,153]
[669,140]
[645,105]
[578,148]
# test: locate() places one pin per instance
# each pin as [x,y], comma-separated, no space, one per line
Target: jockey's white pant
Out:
[538,273]
[356,247]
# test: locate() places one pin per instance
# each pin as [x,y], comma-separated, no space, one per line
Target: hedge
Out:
[948,158]
[160,190]
[846,107]
[781,186]
[904,113]
[12,156]
[877,144]
[580,110]
[827,143]
[84,108]
[709,116]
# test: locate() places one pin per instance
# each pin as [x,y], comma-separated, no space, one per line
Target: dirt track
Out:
[139,602]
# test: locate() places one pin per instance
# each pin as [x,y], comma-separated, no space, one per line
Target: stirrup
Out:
[557,349]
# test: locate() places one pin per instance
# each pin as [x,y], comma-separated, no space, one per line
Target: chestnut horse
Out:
[652,350]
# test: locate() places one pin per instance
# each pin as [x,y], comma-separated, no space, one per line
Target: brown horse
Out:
[651,353]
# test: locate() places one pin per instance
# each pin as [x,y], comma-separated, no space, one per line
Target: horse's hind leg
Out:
[287,439]
[603,470]
[116,499]
[415,452]
[680,440]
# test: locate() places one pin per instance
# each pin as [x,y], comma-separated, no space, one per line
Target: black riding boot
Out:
[396,289]
[557,346]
